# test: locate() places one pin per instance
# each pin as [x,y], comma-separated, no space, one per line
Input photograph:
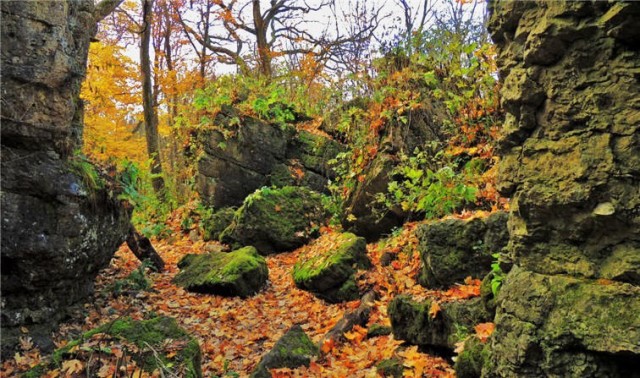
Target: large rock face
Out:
[260,154]
[571,163]
[57,229]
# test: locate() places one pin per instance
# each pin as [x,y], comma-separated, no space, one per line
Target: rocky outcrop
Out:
[454,249]
[276,220]
[292,350]
[60,221]
[258,154]
[331,275]
[239,273]
[571,163]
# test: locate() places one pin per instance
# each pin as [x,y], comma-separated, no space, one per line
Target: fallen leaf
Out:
[434,309]
[484,330]
[74,366]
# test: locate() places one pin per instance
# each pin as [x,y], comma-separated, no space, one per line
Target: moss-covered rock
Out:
[411,321]
[218,222]
[378,330]
[149,336]
[330,275]
[454,249]
[391,367]
[470,362]
[276,220]
[239,273]
[359,214]
[568,326]
[293,350]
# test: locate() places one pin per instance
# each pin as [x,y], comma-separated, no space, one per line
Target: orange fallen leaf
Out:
[434,309]
[484,330]
[327,346]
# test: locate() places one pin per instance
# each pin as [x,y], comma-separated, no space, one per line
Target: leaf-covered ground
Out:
[235,333]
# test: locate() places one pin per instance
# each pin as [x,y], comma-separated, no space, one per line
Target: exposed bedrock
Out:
[571,164]
[59,228]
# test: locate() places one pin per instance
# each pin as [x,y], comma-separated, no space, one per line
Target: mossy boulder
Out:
[293,350]
[150,336]
[360,215]
[569,326]
[276,220]
[218,222]
[454,249]
[470,362]
[330,275]
[391,367]
[411,321]
[242,273]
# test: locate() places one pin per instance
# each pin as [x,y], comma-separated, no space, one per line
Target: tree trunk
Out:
[264,52]
[150,119]
[141,247]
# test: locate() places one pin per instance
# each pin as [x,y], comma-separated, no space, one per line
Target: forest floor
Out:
[235,333]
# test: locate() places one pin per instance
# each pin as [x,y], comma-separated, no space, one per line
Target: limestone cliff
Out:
[60,223]
[571,164]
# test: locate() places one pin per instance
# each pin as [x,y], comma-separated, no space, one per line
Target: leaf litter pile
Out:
[234,333]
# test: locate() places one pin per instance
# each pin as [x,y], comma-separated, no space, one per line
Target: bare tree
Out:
[283,28]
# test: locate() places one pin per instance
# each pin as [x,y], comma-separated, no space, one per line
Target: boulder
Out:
[470,362]
[361,216]
[61,219]
[454,249]
[292,350]
[569,160]
[331,275]
[242,273]
[566,325]
[152,338]
[390,367]
[412,322]
[218,222]
[276,220]
[259,154]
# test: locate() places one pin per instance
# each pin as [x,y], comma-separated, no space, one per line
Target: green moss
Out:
[294,349]
[276,219]
[412,322]
[332,267]
[149,336]
[214,225]
[378,330]
[391,367]
[331,275]
[86,171]
[241,272]
[470,362]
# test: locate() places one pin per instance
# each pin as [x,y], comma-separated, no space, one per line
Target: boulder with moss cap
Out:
[242,273]
[331,275]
